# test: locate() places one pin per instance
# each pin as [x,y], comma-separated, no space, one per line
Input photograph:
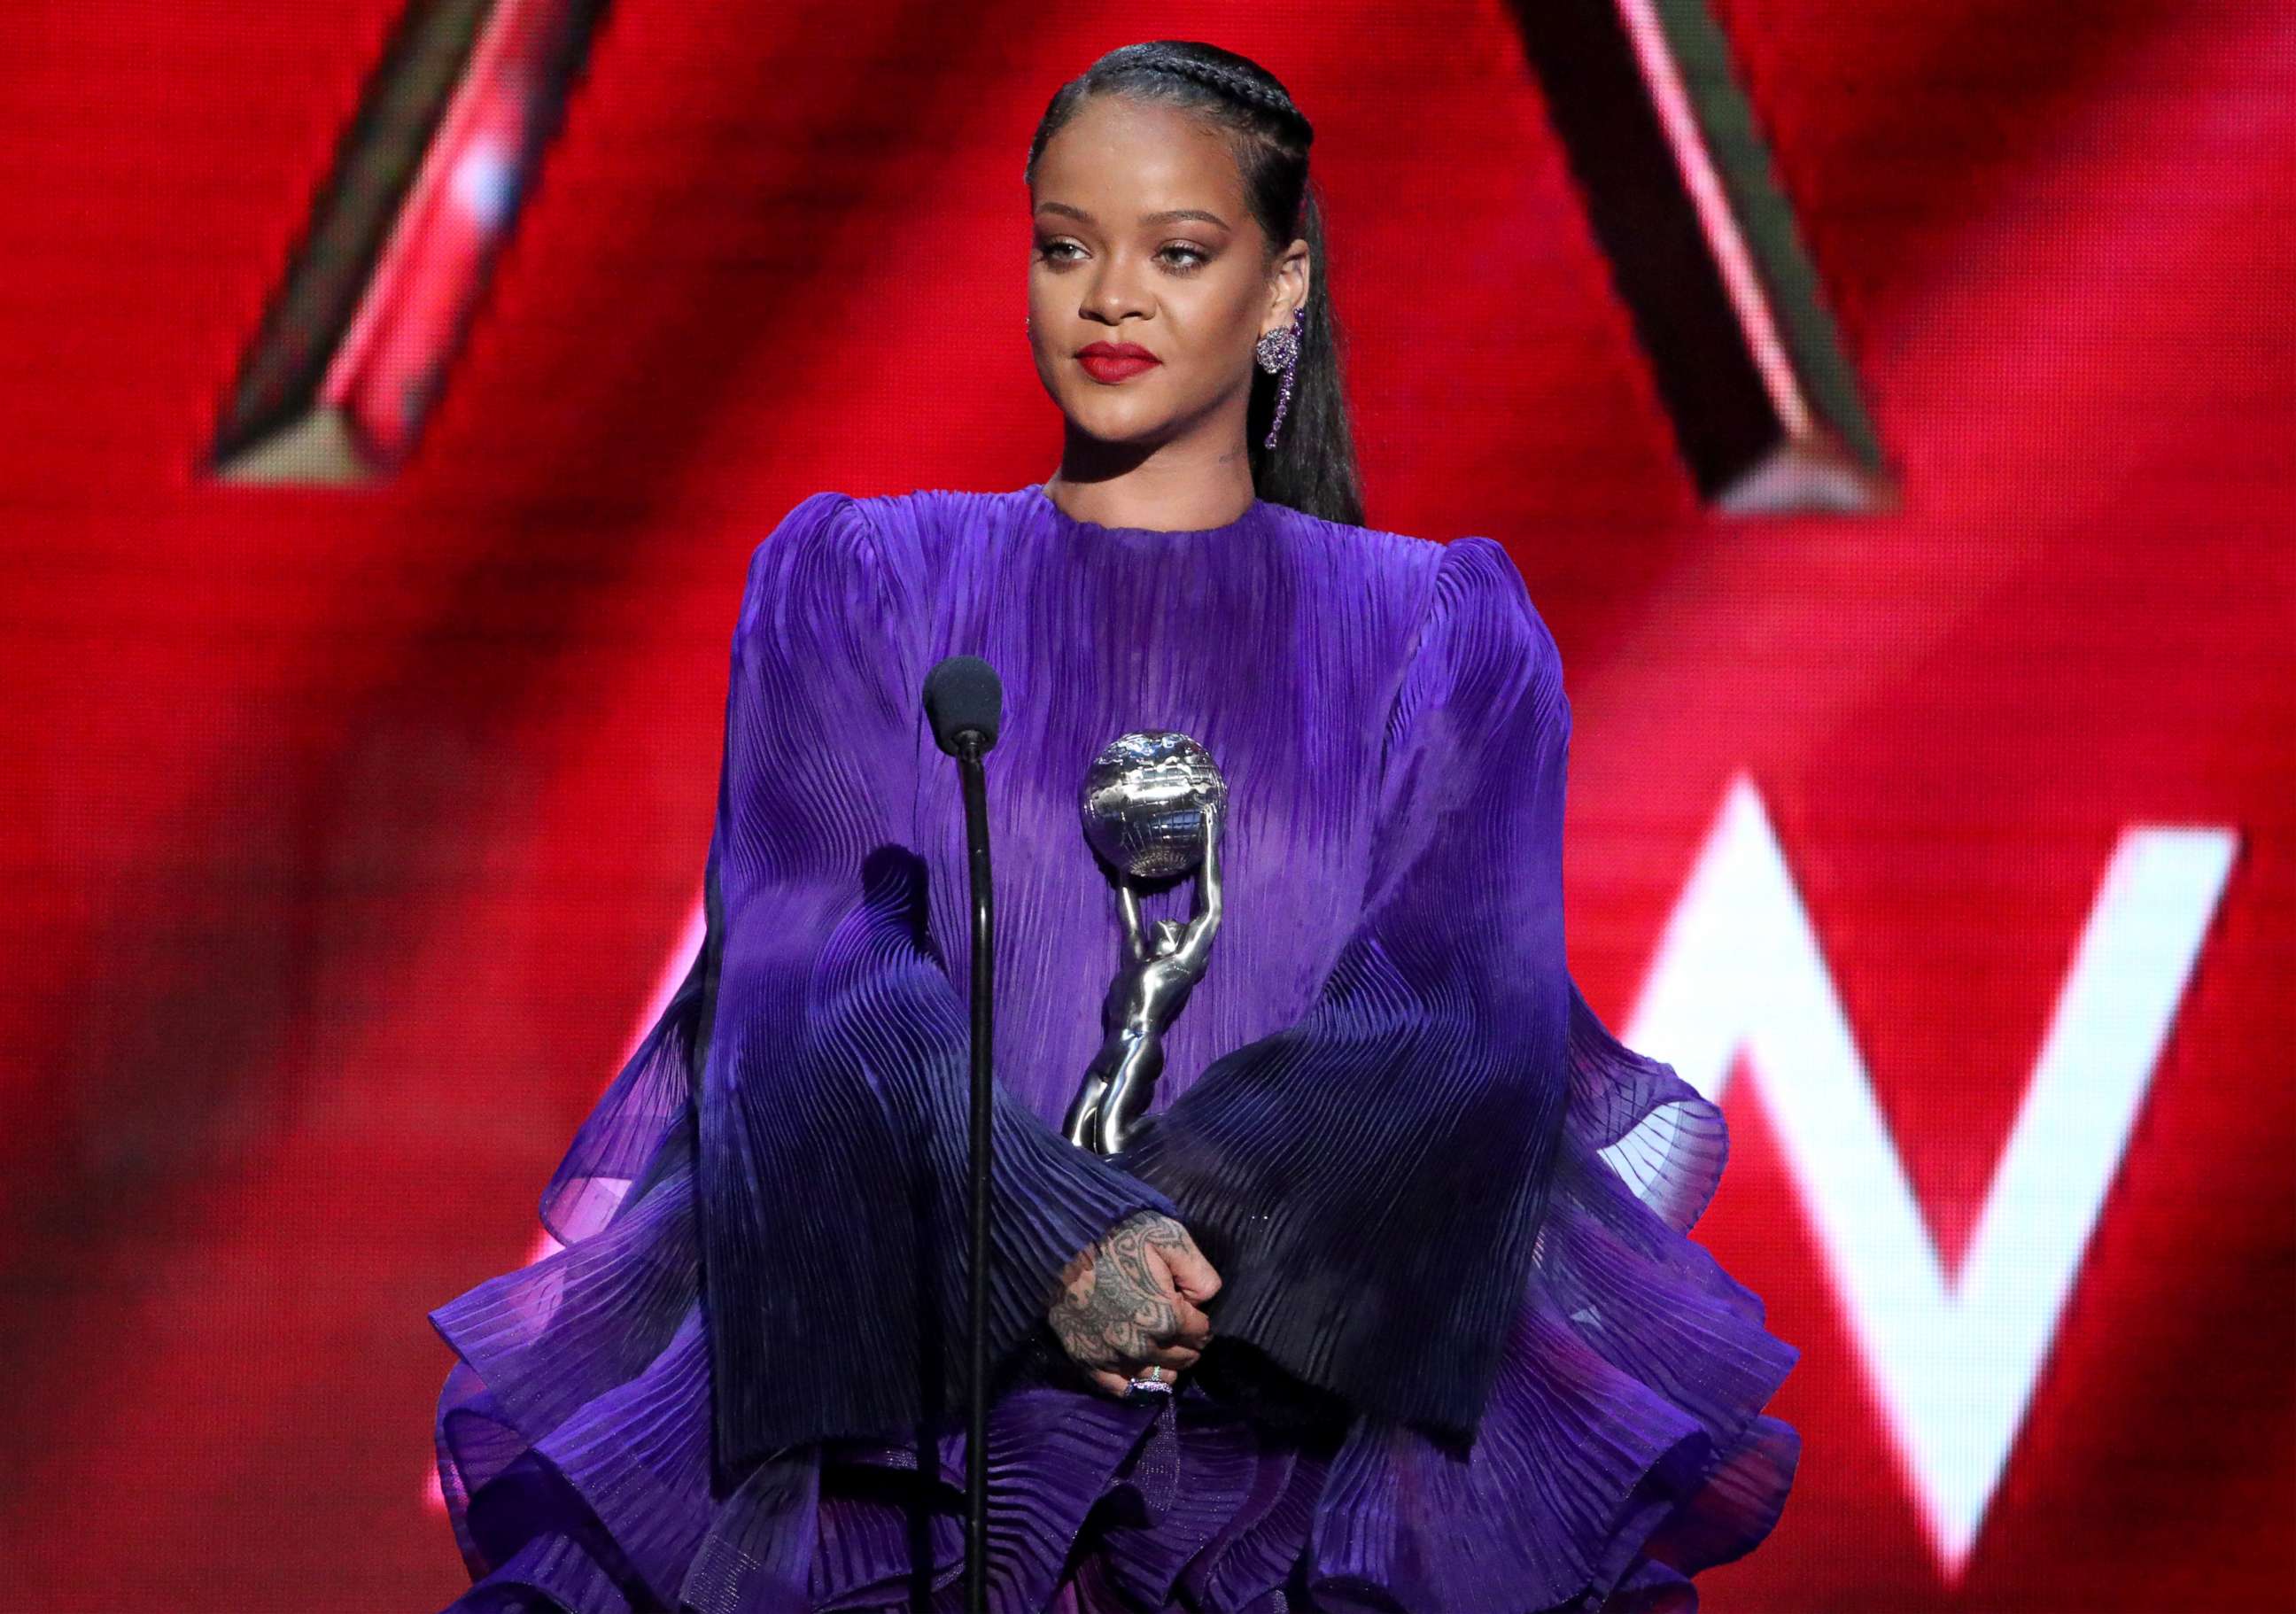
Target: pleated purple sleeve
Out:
[1370,1179]
[835,1099]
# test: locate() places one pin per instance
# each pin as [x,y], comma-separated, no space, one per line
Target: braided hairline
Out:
[1240,85]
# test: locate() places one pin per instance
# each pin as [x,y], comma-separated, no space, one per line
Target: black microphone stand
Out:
[965,700]
[970,747]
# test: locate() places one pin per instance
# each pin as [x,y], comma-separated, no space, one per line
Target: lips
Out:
[1115,361]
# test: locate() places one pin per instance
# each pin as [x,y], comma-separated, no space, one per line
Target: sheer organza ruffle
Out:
[1623,1448]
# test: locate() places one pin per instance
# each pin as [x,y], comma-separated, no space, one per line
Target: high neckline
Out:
[1250,513]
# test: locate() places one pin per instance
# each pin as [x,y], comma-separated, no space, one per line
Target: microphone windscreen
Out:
[964,692]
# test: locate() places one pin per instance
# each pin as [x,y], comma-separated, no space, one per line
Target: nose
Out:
[1115,292]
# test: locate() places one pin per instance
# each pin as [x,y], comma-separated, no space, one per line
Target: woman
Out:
[1403,1234]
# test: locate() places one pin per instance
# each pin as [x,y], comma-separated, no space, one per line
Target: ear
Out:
[1288,285]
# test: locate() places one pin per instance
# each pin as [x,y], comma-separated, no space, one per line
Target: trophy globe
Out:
[1146,797]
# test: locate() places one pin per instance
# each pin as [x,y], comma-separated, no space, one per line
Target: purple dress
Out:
[1465,1356]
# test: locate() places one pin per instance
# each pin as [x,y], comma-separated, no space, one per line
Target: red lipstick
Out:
[1116,361]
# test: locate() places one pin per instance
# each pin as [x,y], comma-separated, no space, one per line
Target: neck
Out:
[1171,487]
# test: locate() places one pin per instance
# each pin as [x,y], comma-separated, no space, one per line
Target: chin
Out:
[1129,424]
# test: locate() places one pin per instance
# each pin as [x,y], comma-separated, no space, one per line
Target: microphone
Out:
[964,692]
[965,700]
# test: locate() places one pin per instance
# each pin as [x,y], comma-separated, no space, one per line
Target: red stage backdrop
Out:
[378,477]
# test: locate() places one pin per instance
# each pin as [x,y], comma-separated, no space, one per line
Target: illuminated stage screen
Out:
[1891,408]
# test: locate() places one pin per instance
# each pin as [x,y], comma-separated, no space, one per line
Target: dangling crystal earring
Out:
[1280,350]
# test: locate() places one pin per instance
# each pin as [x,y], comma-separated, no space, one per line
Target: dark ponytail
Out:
[1312,468]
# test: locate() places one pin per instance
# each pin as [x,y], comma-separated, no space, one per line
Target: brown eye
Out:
[1198,257]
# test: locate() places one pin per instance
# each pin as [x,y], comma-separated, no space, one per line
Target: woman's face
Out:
[1142,239]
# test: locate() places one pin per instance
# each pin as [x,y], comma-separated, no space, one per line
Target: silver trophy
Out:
[1153,805]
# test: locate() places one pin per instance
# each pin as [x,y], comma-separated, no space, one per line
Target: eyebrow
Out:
[1170,216]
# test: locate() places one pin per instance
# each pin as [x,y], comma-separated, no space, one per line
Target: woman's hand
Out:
[1127,1301]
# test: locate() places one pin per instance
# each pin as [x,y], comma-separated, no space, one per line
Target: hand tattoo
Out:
[1111,1311]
